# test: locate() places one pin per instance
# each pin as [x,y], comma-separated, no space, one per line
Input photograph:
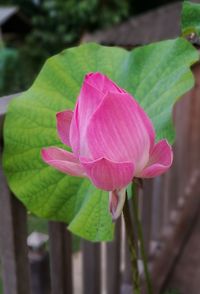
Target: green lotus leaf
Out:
[157,75]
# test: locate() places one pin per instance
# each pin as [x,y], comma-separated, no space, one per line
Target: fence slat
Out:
[194,138]
[91,268]
[157,208]
[175,242]
[13,233]
[180,172]
[60,259]
[39,266]
[13,246]
[126,286]
[113,261]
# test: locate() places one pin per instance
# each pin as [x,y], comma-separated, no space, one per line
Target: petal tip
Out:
[160,160]
[44,154]
[63,121]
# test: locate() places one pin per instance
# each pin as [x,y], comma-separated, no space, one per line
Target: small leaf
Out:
[157,75]
[190,18]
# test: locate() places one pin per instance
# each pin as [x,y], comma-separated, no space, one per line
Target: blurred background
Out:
[33,30]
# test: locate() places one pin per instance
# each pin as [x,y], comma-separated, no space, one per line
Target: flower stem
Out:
[141,239]
[132,247]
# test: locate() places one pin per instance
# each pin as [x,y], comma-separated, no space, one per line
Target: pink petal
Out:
[120,130]
[160,160]
[108,175]
[102,83]
[116,202]
[62,160]
[93,90]
[63,125]
[88,100]
[74,134]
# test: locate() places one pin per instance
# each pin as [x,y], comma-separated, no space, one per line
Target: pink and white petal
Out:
[108,175]
[63,119]
[88,100]
[116,202]
[63,161]
[160,160]
[74,134]
[148,125]
[103,83]
[120,130]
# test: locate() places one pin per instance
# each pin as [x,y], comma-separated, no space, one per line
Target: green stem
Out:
[141,239]
[132,248]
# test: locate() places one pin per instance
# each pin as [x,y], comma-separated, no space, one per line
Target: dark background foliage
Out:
[55,25]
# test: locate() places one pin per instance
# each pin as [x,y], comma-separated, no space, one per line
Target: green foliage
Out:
[16,71]
[59,24]
[156,75]
[190,18]
[9,64]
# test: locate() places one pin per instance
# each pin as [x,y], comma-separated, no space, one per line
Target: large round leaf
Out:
[156,75]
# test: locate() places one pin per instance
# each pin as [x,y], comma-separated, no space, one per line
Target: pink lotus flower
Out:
[112,140]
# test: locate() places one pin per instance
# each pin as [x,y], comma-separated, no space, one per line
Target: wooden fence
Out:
[168,204]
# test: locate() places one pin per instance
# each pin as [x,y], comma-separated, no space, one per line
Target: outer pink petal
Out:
[62,160]
[108,175]
[116,202]
[102,83]
[88,100]
[63,125]
[120,130]
[74,133]
[160,160]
